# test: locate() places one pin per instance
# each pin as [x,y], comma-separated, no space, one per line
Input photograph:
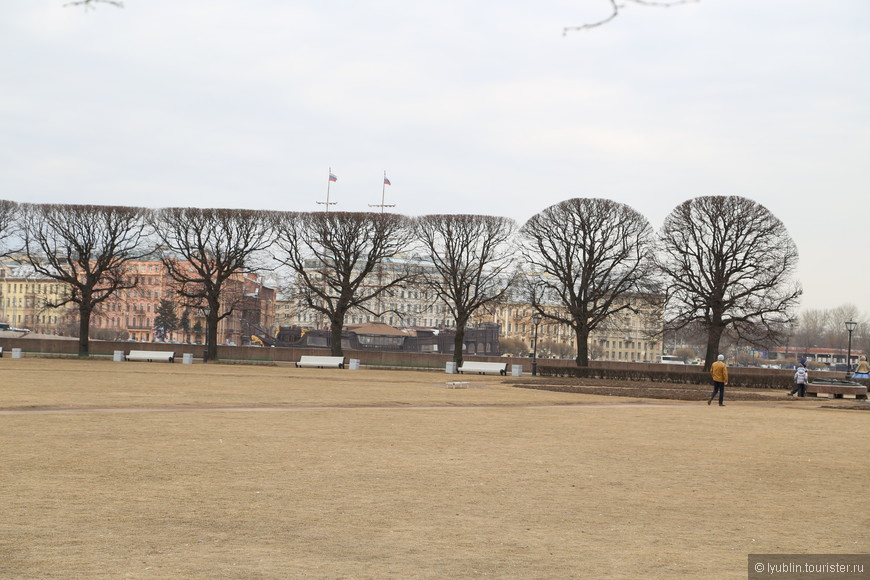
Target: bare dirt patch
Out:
[208,471]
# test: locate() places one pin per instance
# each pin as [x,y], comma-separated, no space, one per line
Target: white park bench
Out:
[151,355]
[1,352]
[483,367]
[321,362]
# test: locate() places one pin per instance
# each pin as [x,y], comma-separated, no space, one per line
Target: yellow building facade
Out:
[24,299]
[628,336]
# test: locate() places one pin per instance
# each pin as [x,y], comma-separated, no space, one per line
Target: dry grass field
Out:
[153,470]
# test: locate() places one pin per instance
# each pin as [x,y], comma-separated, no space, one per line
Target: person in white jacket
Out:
[801,377]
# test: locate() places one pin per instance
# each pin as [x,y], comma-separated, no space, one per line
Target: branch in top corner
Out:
[90,3]
[615,8]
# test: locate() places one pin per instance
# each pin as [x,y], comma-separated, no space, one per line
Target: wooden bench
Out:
[836,389]
[321,362]
[483,367]
[151,355]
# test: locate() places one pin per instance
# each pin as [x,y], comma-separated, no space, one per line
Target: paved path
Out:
[287,408]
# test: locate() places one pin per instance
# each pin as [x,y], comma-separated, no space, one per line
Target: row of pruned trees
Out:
[719,261]
[89,249]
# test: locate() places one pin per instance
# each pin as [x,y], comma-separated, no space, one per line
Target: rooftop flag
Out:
[383,193]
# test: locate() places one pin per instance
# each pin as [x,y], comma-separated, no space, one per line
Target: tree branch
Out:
[90,3]
[615,9]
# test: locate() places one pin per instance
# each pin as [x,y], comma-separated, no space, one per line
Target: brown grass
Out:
[149,470]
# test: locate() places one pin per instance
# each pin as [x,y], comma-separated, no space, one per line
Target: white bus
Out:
[670,359]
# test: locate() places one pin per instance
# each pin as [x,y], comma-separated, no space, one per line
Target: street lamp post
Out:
[536,319]
[205,312]
[850,327]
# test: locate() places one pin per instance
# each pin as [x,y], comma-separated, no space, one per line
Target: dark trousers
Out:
[802,387]
[718,388]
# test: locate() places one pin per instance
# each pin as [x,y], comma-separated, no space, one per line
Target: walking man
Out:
[719,372]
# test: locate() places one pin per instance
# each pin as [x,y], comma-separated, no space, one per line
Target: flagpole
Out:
[383,190]
[383,194]
[329,181]
[328,184]
[381,264]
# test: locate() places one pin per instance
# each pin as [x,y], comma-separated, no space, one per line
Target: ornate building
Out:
[628,336]
[410,306]
[24,300]
[130,314]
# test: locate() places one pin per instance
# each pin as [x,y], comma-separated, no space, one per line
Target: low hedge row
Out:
[685,375]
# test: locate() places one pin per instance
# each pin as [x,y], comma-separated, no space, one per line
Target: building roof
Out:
[815,350]
[378,329]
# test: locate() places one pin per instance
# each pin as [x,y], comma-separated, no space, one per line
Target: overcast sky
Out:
[469,107]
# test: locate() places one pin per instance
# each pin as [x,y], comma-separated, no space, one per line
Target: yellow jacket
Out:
[719,372]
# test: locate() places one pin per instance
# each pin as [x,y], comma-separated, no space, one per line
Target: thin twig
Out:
[615,8]
[90,3]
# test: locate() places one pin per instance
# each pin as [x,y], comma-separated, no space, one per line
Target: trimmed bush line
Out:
[690,375]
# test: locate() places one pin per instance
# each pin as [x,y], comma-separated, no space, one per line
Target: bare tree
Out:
[589,258]
[836,335]
[9,227]
[86,247]
[513,346]
[204,250]
[685,354]
[471,259]
[111,334]
[826,328]
[337,257]
[550,348]
[616,7]
[728,263]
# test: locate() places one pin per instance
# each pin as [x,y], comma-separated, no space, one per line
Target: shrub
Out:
[673,374]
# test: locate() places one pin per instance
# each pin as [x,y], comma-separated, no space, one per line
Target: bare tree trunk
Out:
[211,335]
[335,326]
[459,343]
[582,335]
[714,336]
[84,326]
